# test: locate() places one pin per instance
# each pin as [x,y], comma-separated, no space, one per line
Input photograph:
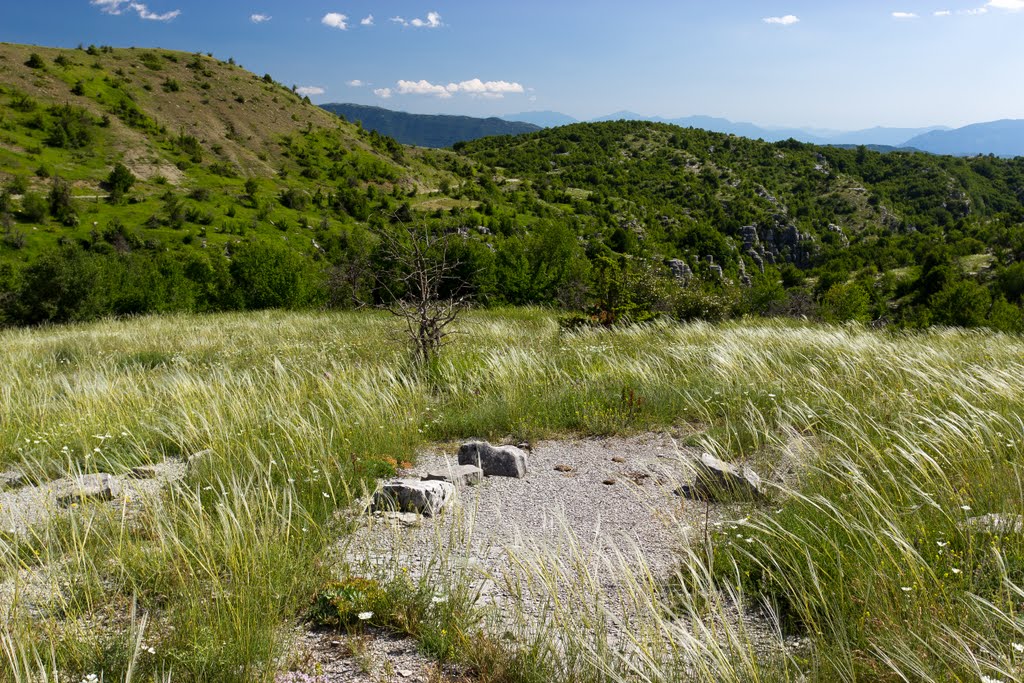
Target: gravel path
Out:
[582,501]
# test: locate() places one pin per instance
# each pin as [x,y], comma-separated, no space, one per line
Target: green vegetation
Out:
[864,550]
[584,217]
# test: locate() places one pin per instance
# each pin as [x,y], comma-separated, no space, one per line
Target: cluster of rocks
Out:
[781,245]
[429,494]
[681,270]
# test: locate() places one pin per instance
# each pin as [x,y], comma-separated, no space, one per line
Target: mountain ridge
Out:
[426,130]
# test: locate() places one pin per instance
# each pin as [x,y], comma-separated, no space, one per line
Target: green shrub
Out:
[348,602]
[33,207]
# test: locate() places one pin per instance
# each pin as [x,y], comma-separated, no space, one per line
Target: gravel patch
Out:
[586,508]
[374,656]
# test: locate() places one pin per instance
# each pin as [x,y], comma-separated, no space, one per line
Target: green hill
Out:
[138,180]
[427,130]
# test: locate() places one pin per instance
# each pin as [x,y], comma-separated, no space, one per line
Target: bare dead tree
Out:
[424,293]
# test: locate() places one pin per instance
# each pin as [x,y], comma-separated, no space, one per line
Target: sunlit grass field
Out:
[864,549]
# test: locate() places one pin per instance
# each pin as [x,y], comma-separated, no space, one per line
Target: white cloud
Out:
[943,13]
[904,15]
[422,88]
[433,20]
[478,87]
[118,6]
[366,21]
[787,20]
[335,20]
[383,93]
[307,90]
[473,87]
[259,18]
[975,11]
[355,83]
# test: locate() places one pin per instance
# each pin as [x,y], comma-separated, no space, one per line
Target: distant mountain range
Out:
[427,130]
[1003,138]
[891,137]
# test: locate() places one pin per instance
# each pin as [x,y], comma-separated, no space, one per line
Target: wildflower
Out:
[965,508]
[364,616]
[1017,647]
[941,544]
[326,495]
[906,589]
[989,679]
[955,570]
[438,599]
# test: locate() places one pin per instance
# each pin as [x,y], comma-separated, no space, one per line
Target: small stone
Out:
[100,487]
[504,461]
[563,468]
[460,475]
[405,673]
[407,519]
[413,495]
[144,472]
[608,482]
[618,458]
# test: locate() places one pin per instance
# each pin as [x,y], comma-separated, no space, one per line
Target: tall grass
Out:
[889,444]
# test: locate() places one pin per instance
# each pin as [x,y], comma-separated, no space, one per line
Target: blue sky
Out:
[837,65]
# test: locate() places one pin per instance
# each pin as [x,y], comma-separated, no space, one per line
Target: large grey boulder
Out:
[85,487]
[460,475]
[718,480]
[503,461]
[414,495]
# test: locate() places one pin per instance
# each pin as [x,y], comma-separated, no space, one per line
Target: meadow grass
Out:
[889,442]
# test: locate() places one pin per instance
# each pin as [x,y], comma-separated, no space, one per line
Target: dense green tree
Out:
[119,181]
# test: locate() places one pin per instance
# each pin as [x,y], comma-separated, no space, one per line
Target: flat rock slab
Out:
[501,461]
[996,523]
[84,487]
[720,481]
[460,475]
[414,495]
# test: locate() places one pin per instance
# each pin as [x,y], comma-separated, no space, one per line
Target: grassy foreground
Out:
[866,550]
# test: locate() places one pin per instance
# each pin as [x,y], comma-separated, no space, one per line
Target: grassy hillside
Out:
[191,129]
[886,444]
[236,193]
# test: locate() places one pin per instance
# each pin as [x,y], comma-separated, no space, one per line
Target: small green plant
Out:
[348,602]
[35,61]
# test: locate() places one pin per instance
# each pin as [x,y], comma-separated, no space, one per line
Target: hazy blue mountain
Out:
[880,135]
[1003,138]
[427,130]
[544,119]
